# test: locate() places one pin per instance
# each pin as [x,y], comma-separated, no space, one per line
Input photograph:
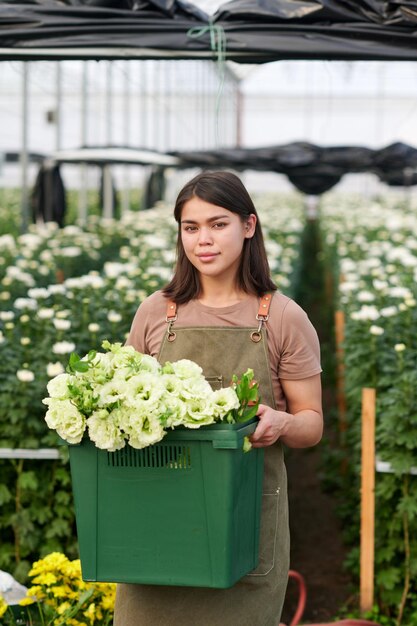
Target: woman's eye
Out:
[190,229]
[219,224]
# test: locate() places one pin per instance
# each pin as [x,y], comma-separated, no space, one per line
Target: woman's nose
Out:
[205,236]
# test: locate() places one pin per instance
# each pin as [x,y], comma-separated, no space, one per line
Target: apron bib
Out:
[257,599]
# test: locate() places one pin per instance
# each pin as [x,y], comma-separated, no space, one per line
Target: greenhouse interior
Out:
[109,109]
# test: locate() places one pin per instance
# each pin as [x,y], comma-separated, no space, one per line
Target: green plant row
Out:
[372,252]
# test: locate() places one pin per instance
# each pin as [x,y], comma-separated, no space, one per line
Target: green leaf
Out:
[5,495]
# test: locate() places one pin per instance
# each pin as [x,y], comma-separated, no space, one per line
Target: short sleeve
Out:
[300,348]
[148,325]
[136,336]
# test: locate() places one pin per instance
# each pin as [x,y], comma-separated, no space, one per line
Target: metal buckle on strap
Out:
[262,316]
[170,318]
[256,335]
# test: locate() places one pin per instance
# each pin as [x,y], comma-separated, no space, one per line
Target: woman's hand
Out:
[272,425]
[302,426]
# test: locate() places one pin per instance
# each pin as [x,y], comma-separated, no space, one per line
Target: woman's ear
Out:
[250,226]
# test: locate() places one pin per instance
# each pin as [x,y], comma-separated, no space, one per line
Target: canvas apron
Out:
[257,599]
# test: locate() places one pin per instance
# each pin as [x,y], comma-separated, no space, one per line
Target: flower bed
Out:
[59,596]
[374,251]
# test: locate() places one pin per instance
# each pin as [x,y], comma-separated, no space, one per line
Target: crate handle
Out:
[227,445]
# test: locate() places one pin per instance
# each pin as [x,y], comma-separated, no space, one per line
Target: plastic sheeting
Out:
[314,169]
[256,31]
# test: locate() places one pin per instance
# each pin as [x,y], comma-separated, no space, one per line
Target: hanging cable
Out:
[218,46]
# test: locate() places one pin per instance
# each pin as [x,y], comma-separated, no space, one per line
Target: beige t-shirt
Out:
[294,349]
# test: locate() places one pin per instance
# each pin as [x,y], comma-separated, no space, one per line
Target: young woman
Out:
[222,310]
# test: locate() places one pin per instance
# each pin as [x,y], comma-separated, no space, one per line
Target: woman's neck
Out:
[221,296]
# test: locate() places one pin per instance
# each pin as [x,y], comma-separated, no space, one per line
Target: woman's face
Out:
[213,238]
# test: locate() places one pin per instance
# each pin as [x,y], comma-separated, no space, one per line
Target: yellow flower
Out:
[3,606]
[27,601]
[37,592]
[60,592]
[54,562]
[57,584]
[90,613]
[46,578]
[63,607]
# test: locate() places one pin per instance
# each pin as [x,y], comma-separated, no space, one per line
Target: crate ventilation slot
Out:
[168,456]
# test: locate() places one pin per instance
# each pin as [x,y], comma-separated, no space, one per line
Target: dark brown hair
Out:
[225,190]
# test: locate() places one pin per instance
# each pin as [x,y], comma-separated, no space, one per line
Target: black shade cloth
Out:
[314,169]
[256,31]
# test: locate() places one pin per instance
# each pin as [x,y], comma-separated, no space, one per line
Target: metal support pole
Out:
[82,196]
[157,100]
[144,108]
[126,129]
[239,115]
[24,157]
[58,105]
[108,208]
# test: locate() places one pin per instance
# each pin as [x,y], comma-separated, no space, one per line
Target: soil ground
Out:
[317,550]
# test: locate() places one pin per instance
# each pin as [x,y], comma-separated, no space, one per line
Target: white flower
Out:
[150,432]
[6,316]
[62,324]
[144,388]
[70,251]
[58,386]
[186,369]
[114,317]
[25,303]
[389,311]
[104,430]
[366,313]
[65,418]
[45,314]
[200,412]
[93,327]
[175,411]
[365,296]
[25,375]
[38,293]
[195,388]
[1,337]
[399,347]
[54,369]
[376,330]
[224,400]
[63,347]
[54,290]
[25,341]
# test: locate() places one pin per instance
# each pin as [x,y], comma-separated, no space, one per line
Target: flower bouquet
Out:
[121,397]
[153,443]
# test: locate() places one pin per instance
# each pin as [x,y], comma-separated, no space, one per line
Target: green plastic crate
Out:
[185,511]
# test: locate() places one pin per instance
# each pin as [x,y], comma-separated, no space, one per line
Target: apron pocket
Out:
[216,382]
[268,534]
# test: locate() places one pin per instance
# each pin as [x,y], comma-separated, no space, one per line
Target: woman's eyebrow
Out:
[212,219]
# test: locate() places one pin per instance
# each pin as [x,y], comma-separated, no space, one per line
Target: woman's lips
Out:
[207,256]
